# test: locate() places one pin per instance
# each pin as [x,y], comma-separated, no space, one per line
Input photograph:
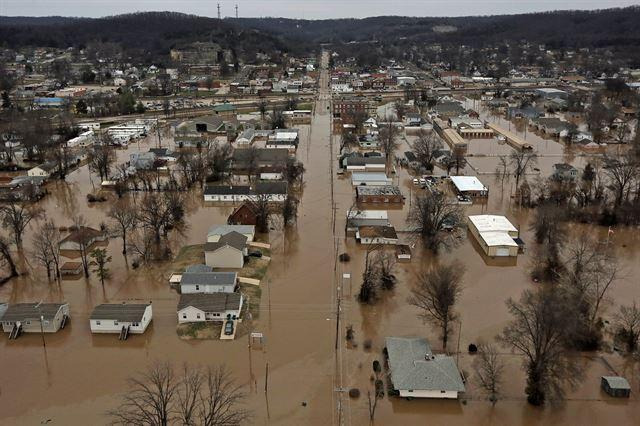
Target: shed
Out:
[615,386]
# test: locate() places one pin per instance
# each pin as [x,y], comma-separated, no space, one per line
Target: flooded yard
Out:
[80,376]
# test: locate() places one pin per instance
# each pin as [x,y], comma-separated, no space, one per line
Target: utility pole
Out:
[218,10]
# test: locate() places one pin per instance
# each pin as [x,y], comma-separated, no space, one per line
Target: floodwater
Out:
[79,376]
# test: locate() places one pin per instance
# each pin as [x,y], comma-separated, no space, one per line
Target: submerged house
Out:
[416,372]
[228,252]
[34,318]
[121,318]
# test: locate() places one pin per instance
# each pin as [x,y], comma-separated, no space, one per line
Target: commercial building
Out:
[495,235]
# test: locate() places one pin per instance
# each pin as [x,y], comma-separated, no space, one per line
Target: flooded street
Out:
[80,376]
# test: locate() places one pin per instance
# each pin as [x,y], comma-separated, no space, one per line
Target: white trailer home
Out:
[121,318]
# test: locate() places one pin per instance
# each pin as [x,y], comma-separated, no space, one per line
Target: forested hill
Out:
[609,27]
[149,34]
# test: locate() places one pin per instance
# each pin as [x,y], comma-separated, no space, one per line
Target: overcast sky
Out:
[308,9]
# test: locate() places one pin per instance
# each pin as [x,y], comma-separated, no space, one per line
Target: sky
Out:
[306,9]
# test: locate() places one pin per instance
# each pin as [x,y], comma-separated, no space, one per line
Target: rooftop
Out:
[119,311]
[211,302]
[414,367]
[468,183]
[31,311]
[209,278]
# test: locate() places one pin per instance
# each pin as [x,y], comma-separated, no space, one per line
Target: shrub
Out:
[354,393]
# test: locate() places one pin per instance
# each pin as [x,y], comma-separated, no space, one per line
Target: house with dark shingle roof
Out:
[113,317]
[416,372]
[209,307]
[35,317]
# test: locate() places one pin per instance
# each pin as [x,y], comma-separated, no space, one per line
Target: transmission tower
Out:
[218,10]
[236,11]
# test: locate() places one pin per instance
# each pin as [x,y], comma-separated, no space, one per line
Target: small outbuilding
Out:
[469,186]
[615,386]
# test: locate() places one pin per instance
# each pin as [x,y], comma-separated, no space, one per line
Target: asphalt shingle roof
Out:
[28,311]
[119,311]
[208,278]
[212,302]
[414,367]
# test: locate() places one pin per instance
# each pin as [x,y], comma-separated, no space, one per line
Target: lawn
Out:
[200,330]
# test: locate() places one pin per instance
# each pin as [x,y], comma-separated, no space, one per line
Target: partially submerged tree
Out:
[46,248]
[489,368]
[125,216]
[628,322]
[541,326]
[101,260]
[202,396]
[6,257]
[521,162]
[435,220]
[389,142]
[435,293]
[101,158]
[425,148]
[550,233]
[16,217]
[289,210]
[261,206]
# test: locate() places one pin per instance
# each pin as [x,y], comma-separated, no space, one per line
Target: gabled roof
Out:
[232,239]
[271,187]
[377,231]
[31,311]
[82,234]
[211,302]
[414,367]
[208,278]
[119,311]
[227,190]
[225,229]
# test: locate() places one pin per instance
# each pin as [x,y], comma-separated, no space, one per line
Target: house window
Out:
[97,322]
[184,316]
[197,287]
[135,324]
[115,323]
[443,391]
[410,390]
[198,316]
[28,322]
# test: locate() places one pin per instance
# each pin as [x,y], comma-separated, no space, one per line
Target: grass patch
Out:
[255,267]
[200,330]
[252,294]
[188,255]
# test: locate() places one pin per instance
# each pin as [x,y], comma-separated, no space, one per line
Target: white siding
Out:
[112,326]
[429,394]
[193,288]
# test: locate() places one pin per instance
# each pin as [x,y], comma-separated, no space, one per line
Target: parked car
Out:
[257,254]
[228,328]
[416,182]
[423,181]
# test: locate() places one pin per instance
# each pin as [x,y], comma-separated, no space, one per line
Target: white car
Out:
[416,182]
[423,181]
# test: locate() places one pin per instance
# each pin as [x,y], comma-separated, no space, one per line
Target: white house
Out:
[202,279]
[227,252]
[114,317]
[34,318]
[217,231]
[209,307]
[418,373]
[43,170]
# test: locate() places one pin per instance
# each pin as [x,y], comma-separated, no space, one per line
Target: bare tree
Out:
[219,160]
[125,216]
[628,322]
[370,280]
[347,140]
[16,217]
[435,220]
[150,399]
[489,369]
[289,210]
[389,140]
[550,232]
[161,213]
[542,323]
[294,171]
[521,162]
[202,396]
[6,257]
[385,263]
[425,147]
[83,239]
[590,269]
[46,246]
[435,294]
[621,173]
[101,158]
[262,209]
[502,170]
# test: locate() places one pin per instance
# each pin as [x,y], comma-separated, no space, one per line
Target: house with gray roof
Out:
[416,372]
[228,252]
[209,307]
[208,282]
[34,318]
[121,318]
[217,231]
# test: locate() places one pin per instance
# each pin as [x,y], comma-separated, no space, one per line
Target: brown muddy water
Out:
[79,376]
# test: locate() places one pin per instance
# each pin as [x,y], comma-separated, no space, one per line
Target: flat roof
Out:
[368,214]
[498,238]
[369,176]
[468,183]
[488,222]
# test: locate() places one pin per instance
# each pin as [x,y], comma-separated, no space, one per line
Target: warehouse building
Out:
[495,235]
